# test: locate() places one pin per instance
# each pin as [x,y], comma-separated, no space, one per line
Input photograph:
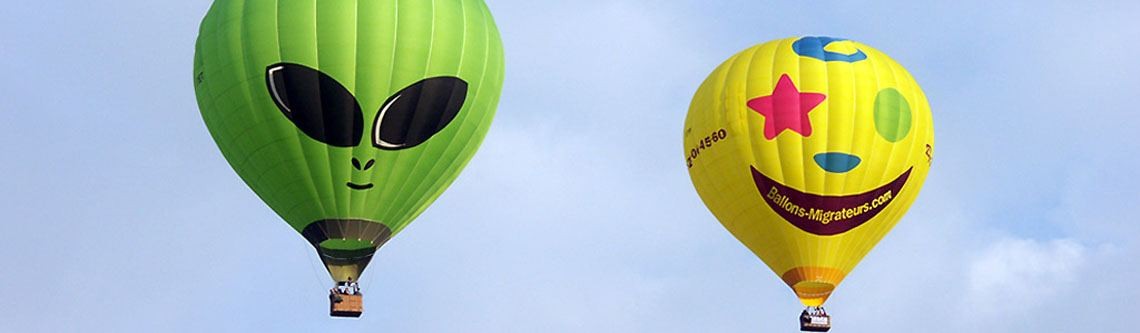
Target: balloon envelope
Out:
[809,150]
[349,117]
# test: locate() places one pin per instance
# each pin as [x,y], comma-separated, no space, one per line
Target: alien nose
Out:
[356,164]
[837,162]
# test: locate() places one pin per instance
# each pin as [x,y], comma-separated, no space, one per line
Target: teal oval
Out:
[837,162]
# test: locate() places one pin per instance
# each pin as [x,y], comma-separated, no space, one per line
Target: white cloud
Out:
[1021,274]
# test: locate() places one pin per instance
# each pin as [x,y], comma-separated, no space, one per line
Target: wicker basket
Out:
[344,305]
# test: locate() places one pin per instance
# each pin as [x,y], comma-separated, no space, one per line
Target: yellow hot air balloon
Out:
[809,150]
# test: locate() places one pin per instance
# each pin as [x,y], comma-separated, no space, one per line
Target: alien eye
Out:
[416,113]
[316,103]
[892,115]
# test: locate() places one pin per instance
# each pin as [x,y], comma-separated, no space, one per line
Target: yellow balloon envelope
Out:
[809,150]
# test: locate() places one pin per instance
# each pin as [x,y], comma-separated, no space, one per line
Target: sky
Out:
[577,213]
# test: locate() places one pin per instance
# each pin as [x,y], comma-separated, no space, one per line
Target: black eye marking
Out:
[316,103]
[416,113]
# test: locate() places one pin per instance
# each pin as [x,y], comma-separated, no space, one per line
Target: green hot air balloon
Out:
[348,117]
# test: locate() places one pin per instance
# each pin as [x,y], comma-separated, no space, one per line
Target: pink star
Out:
[786,108]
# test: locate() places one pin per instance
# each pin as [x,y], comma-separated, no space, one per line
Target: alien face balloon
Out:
[349,117]
[809,150]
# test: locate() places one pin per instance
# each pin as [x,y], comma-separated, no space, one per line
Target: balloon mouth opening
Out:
[346,244]
[813,293]
[813,284]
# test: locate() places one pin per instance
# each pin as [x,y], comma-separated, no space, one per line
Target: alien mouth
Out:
[826,215]
[359,187]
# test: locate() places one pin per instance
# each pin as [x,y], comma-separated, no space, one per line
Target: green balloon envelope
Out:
[348,117]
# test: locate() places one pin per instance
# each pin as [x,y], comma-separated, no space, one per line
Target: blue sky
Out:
[577,214]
